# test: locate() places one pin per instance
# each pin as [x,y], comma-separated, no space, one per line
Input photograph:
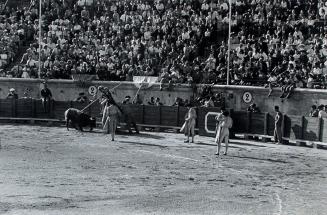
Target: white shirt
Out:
[322,114]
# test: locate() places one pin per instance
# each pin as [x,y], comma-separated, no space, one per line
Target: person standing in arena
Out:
[110,118]
[189,125]
[218,120]
[225,123]
[278,126]
[46,97]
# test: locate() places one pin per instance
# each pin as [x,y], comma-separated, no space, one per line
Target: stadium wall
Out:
[66,90]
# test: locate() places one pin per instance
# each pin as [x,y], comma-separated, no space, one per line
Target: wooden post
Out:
[177,116]
[143,114]
[159,128]
[33,108]
[90,111]
[283,125]
[302,127]
[13,108]
[159,115]
[49,107]
[197,118]
[265,124]
[249,122]
[319,129]
[232,130]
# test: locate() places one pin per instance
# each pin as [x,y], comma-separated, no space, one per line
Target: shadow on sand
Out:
[230,146]
[260,159]
[143,144]
[152,136]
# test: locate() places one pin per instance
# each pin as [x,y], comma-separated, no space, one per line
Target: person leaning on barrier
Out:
[46,97]
[157,102]
[278,126]
[178,102]
[12,94]
[82,98]
[152,101]
[127,100]
[27,94]
[314,111]
[322,111]
[208,102]
[253,108]
[138,100]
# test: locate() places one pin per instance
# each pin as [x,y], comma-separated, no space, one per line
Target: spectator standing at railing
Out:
[152,101]
[322,111]
[253,108]
[127,100]
[82,98]
[208,102]
[158,102]
[314,111]
[12,94]
[138,100]
[278,126]
[46,97]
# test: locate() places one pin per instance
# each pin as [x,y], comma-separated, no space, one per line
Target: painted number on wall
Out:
[247,97]
[93,90]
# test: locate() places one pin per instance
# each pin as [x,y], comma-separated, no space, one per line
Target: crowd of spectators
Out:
[320,111]
[15,29]
[184,41]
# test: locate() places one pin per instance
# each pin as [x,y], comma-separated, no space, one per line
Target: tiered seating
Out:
[179,41]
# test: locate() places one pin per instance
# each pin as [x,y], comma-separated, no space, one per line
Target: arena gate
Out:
[297,129]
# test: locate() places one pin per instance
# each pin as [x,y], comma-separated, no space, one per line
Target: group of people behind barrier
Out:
[320,111]
[46,95]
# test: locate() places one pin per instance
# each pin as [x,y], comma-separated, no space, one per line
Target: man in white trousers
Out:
[225,122]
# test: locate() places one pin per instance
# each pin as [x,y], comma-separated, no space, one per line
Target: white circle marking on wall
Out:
[247,97]
[93,90]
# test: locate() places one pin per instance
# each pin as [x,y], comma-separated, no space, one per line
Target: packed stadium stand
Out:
[180,41]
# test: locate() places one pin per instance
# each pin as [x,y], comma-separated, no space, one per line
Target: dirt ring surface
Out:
[49,170]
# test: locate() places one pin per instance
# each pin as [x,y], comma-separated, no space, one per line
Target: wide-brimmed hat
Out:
[12,89]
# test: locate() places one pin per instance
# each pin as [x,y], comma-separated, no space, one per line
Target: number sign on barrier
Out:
[247,97]
[93,90]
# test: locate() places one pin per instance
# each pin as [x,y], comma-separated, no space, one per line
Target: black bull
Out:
[81,119]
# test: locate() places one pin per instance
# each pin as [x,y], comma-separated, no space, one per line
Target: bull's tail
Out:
[66,119]
[67,122]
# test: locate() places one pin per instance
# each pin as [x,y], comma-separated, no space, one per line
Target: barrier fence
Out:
[293,127]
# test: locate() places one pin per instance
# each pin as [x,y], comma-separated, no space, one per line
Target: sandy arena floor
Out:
[49,170]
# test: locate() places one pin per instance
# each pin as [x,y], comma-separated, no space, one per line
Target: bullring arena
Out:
[47,170]
[163,65]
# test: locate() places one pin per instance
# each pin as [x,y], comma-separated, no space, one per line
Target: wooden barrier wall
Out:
[294,127]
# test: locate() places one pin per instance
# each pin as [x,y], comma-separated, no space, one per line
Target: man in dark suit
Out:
[46,97]
[278,126]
